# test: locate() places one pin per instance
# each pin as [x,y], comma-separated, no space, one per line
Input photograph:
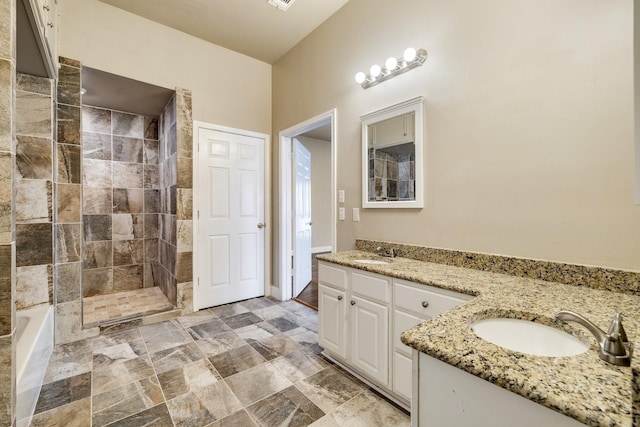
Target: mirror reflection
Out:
[392,156]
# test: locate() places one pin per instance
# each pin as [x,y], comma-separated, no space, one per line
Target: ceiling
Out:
[251,27]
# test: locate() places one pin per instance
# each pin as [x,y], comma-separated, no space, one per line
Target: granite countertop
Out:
[582,387]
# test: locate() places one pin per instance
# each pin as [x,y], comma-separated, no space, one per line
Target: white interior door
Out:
[230,217]
[302,220]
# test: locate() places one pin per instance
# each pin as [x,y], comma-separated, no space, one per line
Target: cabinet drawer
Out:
[415,299]
[376,287]
[333,276]
[401,322]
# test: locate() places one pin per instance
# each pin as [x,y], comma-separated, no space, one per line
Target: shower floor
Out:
[101,308]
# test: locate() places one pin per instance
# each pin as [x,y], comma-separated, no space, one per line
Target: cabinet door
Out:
[390,131]
[402,375]
[369,338]
[332,320]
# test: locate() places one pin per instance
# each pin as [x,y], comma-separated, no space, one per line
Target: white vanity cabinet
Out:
[413,304]
[361,316]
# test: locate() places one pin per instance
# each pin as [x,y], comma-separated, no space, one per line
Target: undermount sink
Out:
[528,337]
[371,261]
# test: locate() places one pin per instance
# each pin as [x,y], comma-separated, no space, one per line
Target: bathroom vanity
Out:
[368,306]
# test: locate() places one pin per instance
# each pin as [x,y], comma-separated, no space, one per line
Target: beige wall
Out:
[529,122]
[320,190]
[228,88]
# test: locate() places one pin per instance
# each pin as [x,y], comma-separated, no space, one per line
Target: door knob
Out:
[261,225]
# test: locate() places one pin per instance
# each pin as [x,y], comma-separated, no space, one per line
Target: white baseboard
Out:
[320,249]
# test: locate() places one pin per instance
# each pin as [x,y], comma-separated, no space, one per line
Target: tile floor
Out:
[100,308]
[248,364]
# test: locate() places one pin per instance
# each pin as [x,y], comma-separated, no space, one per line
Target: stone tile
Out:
[240,418]
[128,277]
[34,286]
[184,266]
[68,124]
[97,227]
[132,338]
[185,173]
[236,360]
[34,157]
[256,383]
[74,414]
[256,332]
[208,330]
[151,176]
[116,404]
[128,200]
[150,152]
[275,346]
[175,357]
[96,146]
[196,396]
[171,141]
[303,336]
[128,175]
[97,200]
[33,84]
[68,242]
[220,343]
[184,203]
[98,254]
[158,416]
[7,211]
[120,374]
[97,173]
[161,342]
[97,281]
[369,410]
[330,388]
[184,297]
[241,320]
[196,318]
[34,244]
[271,312]
[7,82]
[34,115]
[229,310]
[300,364]
[34,201]
[69,85]
[127,226]
[184,236]
[129,125]
[96,120]
[68,282]
[64,391]
[151,201]
[7,290]
[151,250]
[150,127]
[126,252]
[127,149]
[70,164]
[286,408]
[7,378]
[68,203]
[151,226]
[283,324]
[70,62]
[69,360]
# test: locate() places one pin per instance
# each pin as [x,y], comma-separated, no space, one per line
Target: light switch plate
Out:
[341,214]
[340,196]
[356,214]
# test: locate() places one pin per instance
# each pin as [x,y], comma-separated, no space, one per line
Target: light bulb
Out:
[391,63]
[375,70]
[360,77]
[409,54]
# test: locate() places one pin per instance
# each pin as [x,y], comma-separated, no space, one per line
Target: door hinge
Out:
[198,214]
[198,281]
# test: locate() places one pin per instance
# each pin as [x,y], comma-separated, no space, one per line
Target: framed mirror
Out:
[392,160]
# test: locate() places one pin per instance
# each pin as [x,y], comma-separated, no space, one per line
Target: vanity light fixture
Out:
[411,58]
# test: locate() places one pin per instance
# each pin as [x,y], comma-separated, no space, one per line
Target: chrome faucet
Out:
[392,253]
[614,344]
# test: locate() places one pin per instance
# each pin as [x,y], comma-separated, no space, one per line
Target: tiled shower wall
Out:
[120,201]
[391,176]
[34,191]
[7,211]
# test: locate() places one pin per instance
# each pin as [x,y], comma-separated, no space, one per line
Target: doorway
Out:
[307,204]
[230,215]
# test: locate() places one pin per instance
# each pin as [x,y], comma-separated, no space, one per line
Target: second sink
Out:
[528,337]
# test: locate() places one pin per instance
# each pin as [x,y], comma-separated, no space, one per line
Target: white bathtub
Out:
[34,345]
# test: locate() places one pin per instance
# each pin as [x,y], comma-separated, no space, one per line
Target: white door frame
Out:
[197,125]
[284,220]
